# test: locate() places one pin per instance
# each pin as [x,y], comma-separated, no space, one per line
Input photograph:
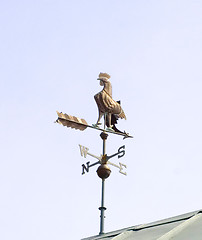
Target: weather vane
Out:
[111,111]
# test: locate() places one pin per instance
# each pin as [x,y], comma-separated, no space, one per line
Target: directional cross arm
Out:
[120,166]
[113,155]
[92,155]
[120,153]
[102,159]
[87,166]
[84,153]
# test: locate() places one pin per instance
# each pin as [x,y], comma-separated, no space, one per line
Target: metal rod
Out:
[102,208]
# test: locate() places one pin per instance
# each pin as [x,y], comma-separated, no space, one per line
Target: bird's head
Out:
[103,77]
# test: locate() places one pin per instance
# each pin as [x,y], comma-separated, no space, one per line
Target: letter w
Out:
[83,150]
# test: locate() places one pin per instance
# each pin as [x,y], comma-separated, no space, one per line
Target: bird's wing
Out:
[112,106]
[107,104]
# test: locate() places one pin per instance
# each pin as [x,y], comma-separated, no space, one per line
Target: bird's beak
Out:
[102,79]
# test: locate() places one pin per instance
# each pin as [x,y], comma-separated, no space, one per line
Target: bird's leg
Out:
[110,125]
[101,114]
[98,121]
[109,118]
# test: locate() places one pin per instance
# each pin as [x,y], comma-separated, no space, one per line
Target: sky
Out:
[51,53]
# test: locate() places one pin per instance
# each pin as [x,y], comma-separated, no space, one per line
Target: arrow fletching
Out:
[71,121]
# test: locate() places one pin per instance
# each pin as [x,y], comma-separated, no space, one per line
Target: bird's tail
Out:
[122,114]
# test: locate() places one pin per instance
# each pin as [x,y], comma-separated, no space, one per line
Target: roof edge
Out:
[144,226]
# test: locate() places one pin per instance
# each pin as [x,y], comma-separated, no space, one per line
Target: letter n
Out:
[85,167]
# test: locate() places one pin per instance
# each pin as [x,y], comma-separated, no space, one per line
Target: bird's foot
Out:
[96,125]
[110,129]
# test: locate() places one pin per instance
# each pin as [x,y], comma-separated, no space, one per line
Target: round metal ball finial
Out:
[103,171]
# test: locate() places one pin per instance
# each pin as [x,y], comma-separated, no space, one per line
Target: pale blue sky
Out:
[51,55]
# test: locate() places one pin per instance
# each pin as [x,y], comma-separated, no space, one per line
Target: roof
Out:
[183,227]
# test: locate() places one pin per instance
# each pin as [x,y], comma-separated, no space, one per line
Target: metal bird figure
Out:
[106,104]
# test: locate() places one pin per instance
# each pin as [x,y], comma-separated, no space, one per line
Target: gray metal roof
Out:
[184,227]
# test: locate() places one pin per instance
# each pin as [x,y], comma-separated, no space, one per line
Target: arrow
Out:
[81,124]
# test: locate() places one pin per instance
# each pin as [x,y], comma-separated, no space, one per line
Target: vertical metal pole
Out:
[102,208]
